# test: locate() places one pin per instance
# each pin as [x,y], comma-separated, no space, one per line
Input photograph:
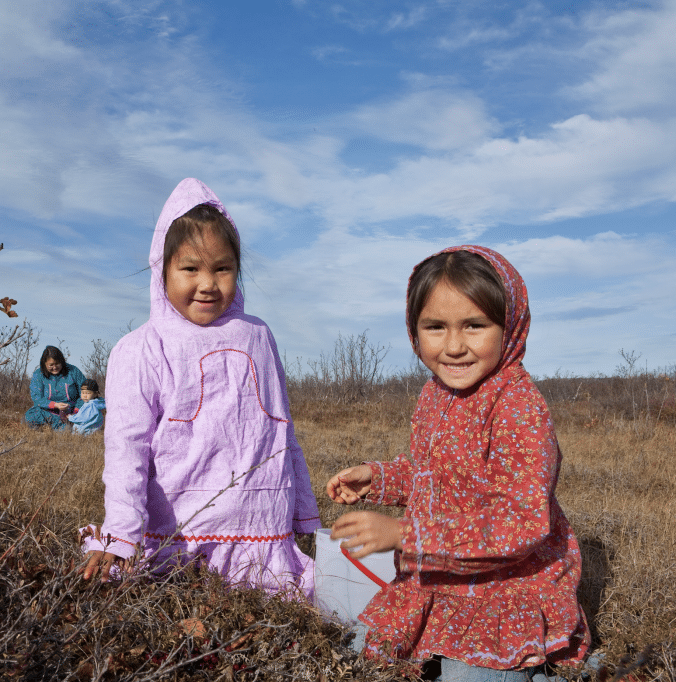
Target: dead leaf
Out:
[7,304]
[85,671]
[240,642]
[194,627]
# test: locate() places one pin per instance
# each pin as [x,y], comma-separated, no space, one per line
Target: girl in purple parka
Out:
[195,397]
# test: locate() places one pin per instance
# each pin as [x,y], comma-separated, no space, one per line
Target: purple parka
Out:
[189,408]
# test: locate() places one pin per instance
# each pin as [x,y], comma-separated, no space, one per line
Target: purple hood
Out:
[188,194]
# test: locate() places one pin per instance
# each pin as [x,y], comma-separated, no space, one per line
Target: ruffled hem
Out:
[506,631]
[277,566]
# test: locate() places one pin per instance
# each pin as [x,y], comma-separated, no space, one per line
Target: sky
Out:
[349,140]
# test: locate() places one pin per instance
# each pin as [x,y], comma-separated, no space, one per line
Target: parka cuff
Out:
[124,549]
[384,489]
[121,548]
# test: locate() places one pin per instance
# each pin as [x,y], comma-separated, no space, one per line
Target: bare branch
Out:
[14,336]
[12,448]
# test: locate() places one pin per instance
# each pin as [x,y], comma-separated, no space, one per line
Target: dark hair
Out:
[469,273]
[55,354]
[90,384]
[192,225]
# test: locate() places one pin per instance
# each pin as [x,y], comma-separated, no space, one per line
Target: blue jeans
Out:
[457,671]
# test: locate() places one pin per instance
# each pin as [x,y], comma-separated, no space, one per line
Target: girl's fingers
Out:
[344,527]
[359,545]
[347,486]
[360,553]
[106,563]
[366,533]
[98,560]
[352,543]
[332,488]
[340,493]
[355,475]
[93,559]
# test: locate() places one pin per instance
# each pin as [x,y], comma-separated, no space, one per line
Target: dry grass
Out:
[618,488]
[188,626]
[185,626]
[619,491]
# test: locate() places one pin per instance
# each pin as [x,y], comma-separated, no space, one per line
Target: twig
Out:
[149,568]
[164,669]
[12,448]
[626,667]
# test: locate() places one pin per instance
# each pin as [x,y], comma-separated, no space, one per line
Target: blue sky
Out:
[348,140]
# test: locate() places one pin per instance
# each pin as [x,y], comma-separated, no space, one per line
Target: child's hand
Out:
[370,531]
[348,486]
[100,560]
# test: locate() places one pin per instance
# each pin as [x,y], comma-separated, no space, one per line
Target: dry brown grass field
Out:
[617,487]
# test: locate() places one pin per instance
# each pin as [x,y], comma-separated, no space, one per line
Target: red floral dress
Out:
[490,566]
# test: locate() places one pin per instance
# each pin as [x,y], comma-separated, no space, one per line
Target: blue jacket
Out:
[57,389]
[89,417]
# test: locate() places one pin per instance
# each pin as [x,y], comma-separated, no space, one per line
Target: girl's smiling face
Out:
[202,279]
[456,340]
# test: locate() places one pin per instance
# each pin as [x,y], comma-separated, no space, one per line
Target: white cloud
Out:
[257,220]
[27,42]
[635,54]
[406,20]
[472,27]
[590,297]
[472,36]
[22,257]
[434,119]
[325,52]
[600,256]
[579,167]
[362,281]
[78,305]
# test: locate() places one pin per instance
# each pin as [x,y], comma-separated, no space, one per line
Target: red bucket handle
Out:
[358,564]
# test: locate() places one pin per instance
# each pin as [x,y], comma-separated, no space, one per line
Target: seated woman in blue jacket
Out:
[55,390]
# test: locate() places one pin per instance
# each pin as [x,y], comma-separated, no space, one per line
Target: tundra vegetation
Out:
[617,487]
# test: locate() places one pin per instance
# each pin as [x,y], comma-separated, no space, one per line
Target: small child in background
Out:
[89,416]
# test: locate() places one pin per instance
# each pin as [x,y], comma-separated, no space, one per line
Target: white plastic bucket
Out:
[343,588]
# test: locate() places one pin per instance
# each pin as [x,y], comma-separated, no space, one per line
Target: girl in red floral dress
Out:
[487,564]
